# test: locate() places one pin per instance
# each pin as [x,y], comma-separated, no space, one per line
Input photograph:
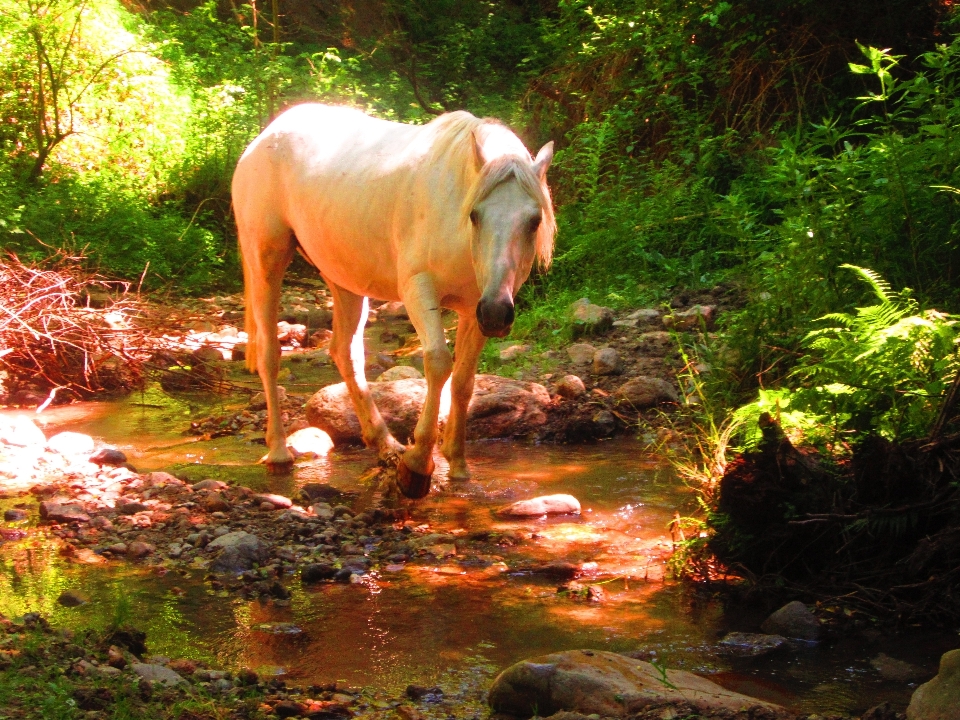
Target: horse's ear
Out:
[544,158]
[478,157]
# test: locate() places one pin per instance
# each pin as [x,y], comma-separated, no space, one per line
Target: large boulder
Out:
[793,620]
[500,407]
[605,683]
[239,551]
[939,699]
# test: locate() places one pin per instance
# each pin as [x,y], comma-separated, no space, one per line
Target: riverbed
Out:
[450,623]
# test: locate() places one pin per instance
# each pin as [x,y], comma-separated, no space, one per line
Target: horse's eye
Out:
[474,218]
[535,224]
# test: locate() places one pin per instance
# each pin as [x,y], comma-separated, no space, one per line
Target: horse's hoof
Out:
[278,467]
[412,484]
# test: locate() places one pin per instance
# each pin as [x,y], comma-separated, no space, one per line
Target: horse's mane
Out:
[454,145]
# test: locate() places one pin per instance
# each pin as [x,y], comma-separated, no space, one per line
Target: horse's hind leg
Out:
[346,348]
[266,253]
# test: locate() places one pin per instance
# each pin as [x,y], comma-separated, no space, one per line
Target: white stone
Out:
[560,504]
[71,443]
[310,441]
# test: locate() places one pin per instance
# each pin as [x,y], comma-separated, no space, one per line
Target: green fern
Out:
[882,369]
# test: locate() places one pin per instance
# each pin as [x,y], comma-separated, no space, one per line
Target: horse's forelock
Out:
[504,168]
[454,145]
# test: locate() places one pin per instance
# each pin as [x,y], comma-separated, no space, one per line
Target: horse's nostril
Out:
[508,316]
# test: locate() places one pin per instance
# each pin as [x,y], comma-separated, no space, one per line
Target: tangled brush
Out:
[65,330]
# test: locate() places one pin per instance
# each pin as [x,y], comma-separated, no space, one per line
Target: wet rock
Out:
[280,628]
[20,431]
[289,708]
[570,387]
[160,479]
[130,638]
[690,319]
[645,315]
[138,549]
[581,353]
[793,620]
[246,676]
[606,361]
[896,670]
[52,511]
[605,683]
[392,311]
[310,442]
[883,711]
[291,332]
[108,456]
[14,515]
[210,484]
[259,401]
[239,551]
[512,352]
[207,355]
[215,502]
[644,392]
[183,666]
[400,372]
[93,699]
[604,423]
[278,501]
[157,674]
[559,570]
[939,699]
[71,443]
[559,504]
[751,644]
[500,407]
[238,352]
[102,522]
[318,492]
[424,693]
[322,511]
[71,598]
[316,572]
[590,319]
[130,507]
[116,658]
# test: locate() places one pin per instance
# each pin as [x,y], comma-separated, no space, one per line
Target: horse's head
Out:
[511,218]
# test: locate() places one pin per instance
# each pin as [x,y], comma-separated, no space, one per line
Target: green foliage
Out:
[882,370]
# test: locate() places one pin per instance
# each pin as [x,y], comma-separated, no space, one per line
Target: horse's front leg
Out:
[423,306]
[346,349]
[470,342]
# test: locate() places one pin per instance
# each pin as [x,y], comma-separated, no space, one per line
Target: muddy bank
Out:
[875,532]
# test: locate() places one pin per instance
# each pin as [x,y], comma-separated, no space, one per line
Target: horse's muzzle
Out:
[495,317]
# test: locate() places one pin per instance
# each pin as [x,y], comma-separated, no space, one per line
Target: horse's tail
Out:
[249,317]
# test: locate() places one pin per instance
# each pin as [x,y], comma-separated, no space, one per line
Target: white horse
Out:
[452,214]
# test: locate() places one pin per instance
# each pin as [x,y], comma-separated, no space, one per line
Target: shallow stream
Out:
[450,624]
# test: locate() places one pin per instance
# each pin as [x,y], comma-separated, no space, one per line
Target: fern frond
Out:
[880,286]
